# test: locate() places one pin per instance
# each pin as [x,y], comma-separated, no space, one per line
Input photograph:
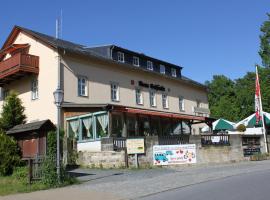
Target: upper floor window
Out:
[82,86]
[115,92]
[5,93]
[181,104]
[149,65]
[173,72]
[34,89]
[162,69]
[165,102]
[139,96]
[153,100]
[120,56]
[136,61]
[198,103]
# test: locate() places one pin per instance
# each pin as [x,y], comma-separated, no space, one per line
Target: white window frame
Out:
[136,61]
[82,86]
[150,65]
[181,103]
[34,89]
[152,98]
[120,56]
[162,69]
[115,94]
[165,101]
[139,96]
[173,71]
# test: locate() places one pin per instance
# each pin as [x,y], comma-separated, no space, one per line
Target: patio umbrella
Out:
[220,124]
[250,121]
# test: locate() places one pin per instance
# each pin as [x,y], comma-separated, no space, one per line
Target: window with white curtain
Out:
[165,102]
[153,100]
[120,56]
[34,89]
[139,96]
[82,86]
[181,104]
[115,92]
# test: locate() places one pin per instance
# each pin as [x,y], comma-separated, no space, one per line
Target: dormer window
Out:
[136,61]
[120,56]
[162,69]
[173,71]
[149,65]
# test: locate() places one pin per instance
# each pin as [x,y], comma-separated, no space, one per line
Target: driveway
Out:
[136,184]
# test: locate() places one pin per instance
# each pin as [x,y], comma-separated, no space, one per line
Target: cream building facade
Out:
[136,93]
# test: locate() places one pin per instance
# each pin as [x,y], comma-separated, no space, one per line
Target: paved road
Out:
[251,186]
[181,182]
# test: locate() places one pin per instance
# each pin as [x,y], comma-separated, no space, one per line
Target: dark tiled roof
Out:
[33,126]
[98,51]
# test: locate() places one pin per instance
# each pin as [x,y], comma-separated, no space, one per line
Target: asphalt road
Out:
[252,186]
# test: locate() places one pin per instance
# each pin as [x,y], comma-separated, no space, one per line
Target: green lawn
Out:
[11,185]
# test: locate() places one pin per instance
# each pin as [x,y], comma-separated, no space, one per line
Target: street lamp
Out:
[58,99]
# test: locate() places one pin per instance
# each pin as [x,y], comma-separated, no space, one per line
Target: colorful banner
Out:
[258,106]
[174,154]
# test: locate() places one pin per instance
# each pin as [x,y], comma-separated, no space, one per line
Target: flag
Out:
[258,106]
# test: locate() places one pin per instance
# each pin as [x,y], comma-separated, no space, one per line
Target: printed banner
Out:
[174,154]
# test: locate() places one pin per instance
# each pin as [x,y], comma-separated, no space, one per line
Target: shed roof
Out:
[33,126]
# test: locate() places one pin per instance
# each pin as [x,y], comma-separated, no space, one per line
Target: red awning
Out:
[159,114]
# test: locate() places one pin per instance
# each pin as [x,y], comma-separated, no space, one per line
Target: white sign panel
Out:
[215,139]
[135,146]
[174,154]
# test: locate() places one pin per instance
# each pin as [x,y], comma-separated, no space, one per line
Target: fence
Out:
[35,168]
[173,139]
[222,140]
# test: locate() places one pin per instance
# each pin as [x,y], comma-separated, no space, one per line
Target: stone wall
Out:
[205,154]
[103,159]
[219,154]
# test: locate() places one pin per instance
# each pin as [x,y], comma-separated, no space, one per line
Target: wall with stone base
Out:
[219,154]
[205,154]
[103,159]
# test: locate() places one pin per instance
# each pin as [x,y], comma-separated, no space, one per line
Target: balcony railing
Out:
[18,65]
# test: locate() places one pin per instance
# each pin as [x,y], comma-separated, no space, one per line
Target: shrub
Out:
[49,170]
[241,128]
[21,174]
[9,154]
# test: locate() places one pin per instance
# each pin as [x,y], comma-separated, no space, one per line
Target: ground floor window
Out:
[117,125]
[88,127]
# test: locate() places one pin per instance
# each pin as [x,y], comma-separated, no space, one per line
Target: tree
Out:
[221,96]
[265,43]
[9,154]
[12,112]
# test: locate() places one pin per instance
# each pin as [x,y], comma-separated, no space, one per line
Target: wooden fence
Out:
[35,168]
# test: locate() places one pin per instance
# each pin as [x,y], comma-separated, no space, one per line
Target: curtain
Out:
[88,123]
[103,120]
[75,127]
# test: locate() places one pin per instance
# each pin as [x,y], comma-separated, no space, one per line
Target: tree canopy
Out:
[12,112]
[265,43]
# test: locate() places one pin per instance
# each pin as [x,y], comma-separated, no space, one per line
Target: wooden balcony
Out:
[18,66]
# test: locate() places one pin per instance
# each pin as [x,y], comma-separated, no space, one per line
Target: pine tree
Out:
[12,112]
[265,43]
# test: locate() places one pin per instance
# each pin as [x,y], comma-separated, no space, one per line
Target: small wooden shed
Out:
[32,137]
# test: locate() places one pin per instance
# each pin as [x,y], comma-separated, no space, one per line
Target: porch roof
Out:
[164,114]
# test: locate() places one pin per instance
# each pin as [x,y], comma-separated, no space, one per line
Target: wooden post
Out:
[136,161]
[126,157]
[30,170]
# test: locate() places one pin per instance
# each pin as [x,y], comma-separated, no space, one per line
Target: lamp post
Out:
[58,99]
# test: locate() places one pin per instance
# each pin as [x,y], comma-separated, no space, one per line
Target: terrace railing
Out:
[222,140]
[173,139]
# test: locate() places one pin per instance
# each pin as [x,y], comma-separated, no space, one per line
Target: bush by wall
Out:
[9,154]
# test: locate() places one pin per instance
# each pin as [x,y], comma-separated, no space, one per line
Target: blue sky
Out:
[206,37]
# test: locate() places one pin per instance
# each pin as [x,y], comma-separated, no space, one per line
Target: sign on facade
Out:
[135,146]
[174,154]
[215,139]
